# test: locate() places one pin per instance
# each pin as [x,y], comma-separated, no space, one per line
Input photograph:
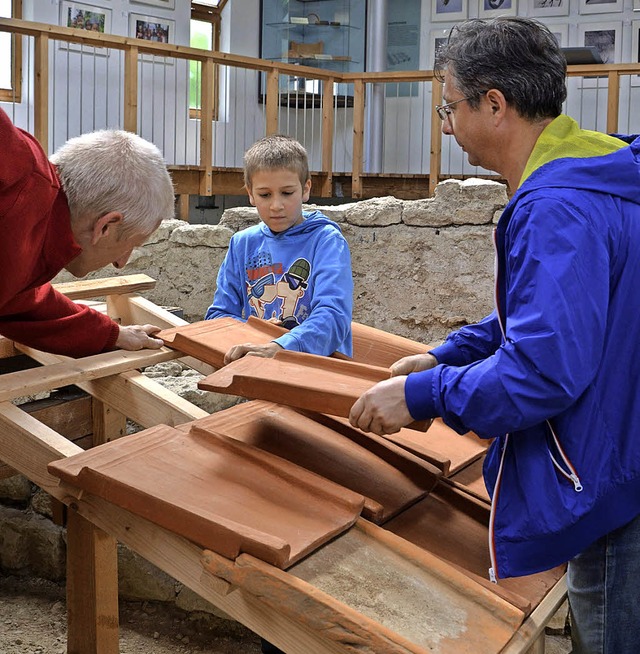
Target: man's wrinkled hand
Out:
[413,363]
[250,349]
[382,409]
[138,337]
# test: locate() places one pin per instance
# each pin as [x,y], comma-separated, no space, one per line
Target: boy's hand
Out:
[413,363]
[249,349]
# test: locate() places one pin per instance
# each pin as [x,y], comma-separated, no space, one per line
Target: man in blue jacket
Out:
[553,374]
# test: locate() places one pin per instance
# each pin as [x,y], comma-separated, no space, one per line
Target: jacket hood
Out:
[312,220]
[597,162]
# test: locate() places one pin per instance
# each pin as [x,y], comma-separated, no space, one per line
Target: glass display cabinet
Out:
[328,34]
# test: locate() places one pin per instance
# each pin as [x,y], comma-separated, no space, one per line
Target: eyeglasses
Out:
[444,110]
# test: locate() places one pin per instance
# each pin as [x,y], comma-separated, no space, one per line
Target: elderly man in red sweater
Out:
[101,195]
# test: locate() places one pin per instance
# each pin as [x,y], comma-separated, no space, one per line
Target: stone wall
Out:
[420,267]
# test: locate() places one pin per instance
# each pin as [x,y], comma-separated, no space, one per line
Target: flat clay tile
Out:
[454,526]
[389,478]
[210,340]
[218,492]
[301,380]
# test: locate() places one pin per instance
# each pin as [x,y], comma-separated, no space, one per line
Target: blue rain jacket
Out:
[553,374]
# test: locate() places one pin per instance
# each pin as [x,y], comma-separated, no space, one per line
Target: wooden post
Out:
[131,89]
[273,101]
[206,128]
[183,207]
[327,138]
[92,588]
[41,91]
[358,138]
[435,158]
[108,423]
[613,102]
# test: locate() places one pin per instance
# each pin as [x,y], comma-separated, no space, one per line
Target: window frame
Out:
[14,93]
[209,14]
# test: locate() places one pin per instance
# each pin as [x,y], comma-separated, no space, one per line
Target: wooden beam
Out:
[435,156]
[41,91]
[358,138]
[183,206]
[72,371]
[273,101]
[613,102]
[86,289]
[92,588]
[29,446]
[206,127]
[138,397]
[109,424]
[327,138]
[131,89]
[136,310]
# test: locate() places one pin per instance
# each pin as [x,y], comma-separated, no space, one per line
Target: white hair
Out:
[114,170]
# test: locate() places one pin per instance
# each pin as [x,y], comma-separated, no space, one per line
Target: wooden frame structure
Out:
[94,525]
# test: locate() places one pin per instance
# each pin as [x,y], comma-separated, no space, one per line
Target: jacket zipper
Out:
[572,475]
[493,570]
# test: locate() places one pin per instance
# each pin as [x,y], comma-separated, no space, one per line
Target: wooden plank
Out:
[85,289]
[92,588]
[41,91]
[72,371]
[140,398]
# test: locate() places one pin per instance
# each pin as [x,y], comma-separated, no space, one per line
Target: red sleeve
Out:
[45,319]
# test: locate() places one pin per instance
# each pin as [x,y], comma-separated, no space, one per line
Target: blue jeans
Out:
[604,601]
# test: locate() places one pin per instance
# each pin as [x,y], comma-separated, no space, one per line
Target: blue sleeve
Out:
[328,326]
[227,299]
[471,343]
[557,289]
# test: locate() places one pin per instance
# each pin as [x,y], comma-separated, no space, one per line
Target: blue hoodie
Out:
[554,373]
[301,276]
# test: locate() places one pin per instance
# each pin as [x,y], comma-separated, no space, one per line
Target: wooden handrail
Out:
[133,48]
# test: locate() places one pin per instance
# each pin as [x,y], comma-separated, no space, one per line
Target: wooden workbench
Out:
[301,610]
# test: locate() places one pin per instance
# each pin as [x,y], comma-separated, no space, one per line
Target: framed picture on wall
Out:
[437,38]
[539,8]
[600,6]
[449,10]
[493,8]
[165,4]
[151,28]
[81,16]
[605,37]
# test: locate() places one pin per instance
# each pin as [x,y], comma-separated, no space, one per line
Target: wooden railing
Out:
[206,172]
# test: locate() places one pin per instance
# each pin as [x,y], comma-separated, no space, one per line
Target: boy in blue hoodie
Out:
[552,374]
[294,267]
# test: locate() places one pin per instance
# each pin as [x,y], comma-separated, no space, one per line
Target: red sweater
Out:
[36,243]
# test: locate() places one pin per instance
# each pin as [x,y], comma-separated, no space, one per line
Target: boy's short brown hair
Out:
[274,152]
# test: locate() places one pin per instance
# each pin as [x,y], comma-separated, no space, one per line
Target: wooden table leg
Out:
[92,588]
